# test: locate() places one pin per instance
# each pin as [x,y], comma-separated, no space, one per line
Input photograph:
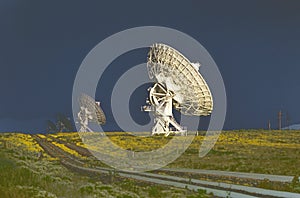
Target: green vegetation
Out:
[253,151]
[26,173]
[267,152]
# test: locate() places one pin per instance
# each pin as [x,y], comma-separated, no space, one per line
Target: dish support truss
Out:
[160,102]
[90,114]
[84,117]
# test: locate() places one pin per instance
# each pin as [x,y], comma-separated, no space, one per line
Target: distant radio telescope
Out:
[90,112]
[179,85]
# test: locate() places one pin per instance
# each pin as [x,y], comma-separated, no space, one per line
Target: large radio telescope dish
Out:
[179,85]
[90,112]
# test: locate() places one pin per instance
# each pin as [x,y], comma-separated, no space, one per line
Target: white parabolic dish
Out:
[95,113]
[174,71]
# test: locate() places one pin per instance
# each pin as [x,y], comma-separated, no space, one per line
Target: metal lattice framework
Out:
[175,72]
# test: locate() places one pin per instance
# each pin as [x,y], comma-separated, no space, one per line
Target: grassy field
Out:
[251,151]
[269,152]
[254,151]
[26,173]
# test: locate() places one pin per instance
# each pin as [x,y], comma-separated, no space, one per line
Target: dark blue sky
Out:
[256,45]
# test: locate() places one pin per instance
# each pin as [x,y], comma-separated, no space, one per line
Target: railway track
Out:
[54,151]
[219,189]
[250,176]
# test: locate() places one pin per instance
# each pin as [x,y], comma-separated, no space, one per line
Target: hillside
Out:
[28,171]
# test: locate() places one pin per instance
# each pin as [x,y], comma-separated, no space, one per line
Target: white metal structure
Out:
[90,111]
[179,85]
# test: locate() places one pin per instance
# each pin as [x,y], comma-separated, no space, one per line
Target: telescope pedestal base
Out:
[162,126]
